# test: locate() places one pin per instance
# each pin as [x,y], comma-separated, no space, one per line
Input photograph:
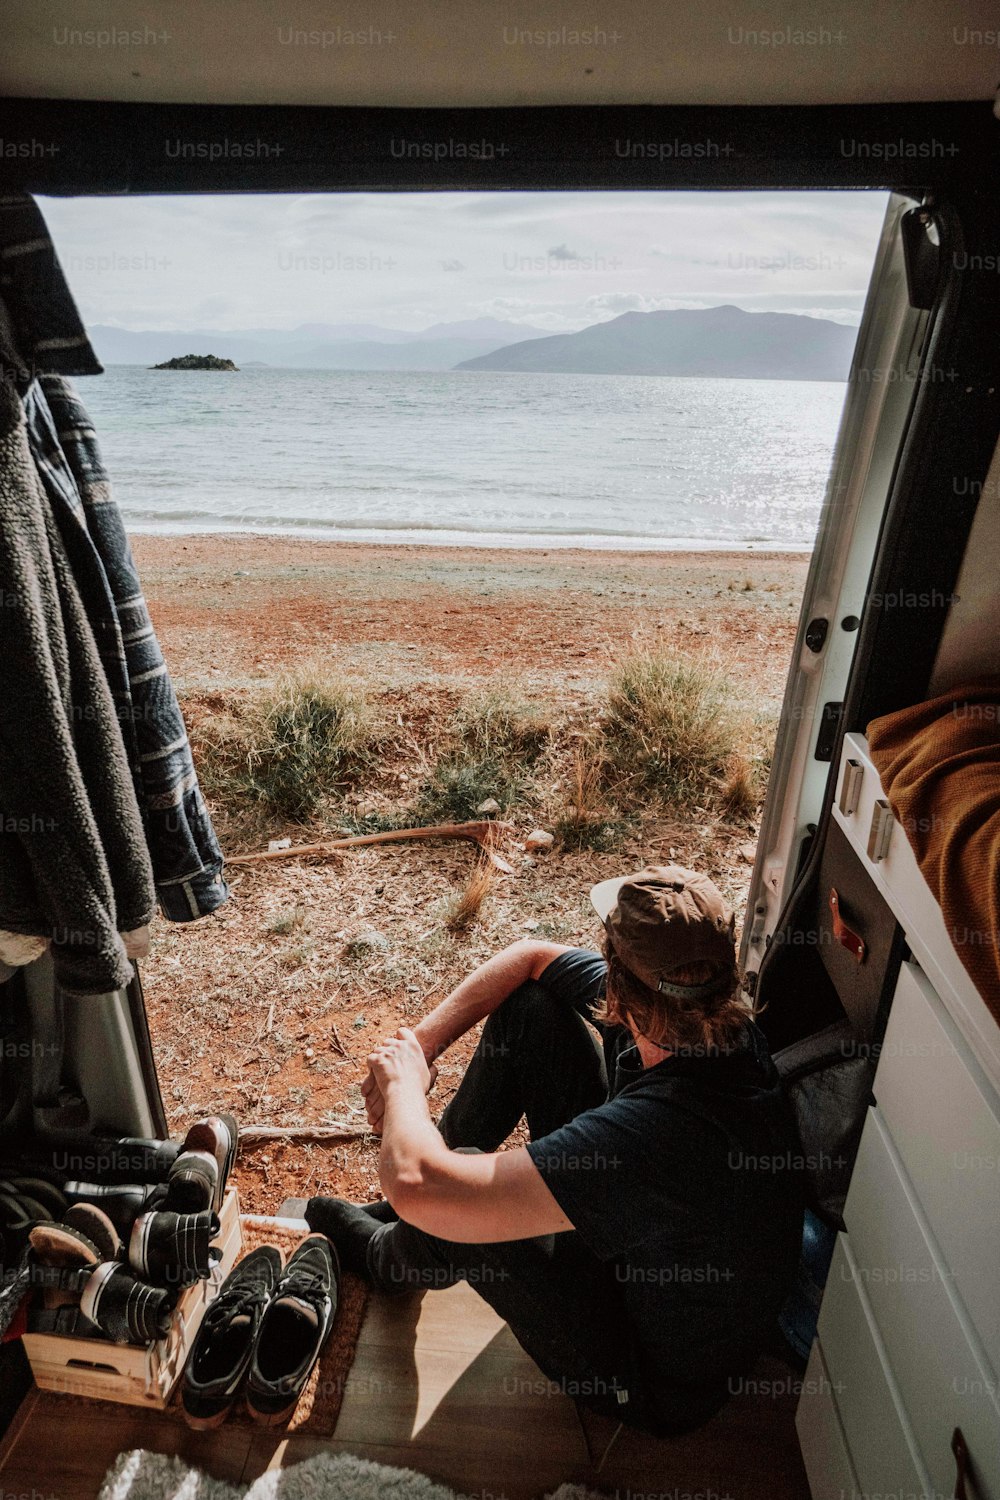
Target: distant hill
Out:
[720,341]
[317,346]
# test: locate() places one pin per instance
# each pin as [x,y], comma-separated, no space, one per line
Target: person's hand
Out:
[371,1088]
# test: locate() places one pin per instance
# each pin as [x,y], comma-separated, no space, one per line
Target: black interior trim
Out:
[79,146]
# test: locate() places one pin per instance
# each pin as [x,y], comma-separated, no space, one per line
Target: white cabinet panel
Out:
[871,1413]
[940,1378]
[940,1113]
[821,1437]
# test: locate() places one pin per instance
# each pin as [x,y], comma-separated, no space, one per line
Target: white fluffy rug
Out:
[141,1475]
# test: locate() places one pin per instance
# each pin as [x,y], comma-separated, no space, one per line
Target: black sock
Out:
[348,1226]
[382,1211]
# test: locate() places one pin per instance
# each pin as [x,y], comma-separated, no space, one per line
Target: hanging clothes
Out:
[93,750]
[74,865]
[187,860]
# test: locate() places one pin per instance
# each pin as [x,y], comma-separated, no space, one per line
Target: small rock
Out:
[360,1022]
[748,852]
[368,942]
[532,926]
[538,841]
[310,1052]
[278,844]
[489,808]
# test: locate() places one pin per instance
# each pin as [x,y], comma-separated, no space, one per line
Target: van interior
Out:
[855,949]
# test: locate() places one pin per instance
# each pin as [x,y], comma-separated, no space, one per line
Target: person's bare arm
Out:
[470,1002]
[471,1199]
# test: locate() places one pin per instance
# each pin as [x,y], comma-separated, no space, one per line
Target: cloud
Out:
[408,260]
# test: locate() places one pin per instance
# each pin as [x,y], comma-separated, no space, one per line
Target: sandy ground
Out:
[269,1007]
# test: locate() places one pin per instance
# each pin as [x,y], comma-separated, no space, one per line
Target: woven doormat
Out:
[320,1403]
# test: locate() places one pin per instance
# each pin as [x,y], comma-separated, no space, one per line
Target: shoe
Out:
[218,1135]
[193,1184]
[84,1236]
[89,1220]
[174,1249]
[126,1311]
[39,1190]
[63,1257]
[122,1202]
[293,1331]
[223,1348]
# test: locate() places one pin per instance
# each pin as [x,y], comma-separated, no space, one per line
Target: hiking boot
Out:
[126,1311]
[223,1348]
[174,1249]
[218,1135]
[293,1331]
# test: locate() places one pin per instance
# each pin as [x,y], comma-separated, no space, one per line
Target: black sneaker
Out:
[223,1348]
[193,1184]
[218,1135]
[174,1249]
[293,1331]
[125,1310]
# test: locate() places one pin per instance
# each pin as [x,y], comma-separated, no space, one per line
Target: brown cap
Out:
[664,918]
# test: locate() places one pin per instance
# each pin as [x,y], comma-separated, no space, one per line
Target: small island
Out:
[196,362]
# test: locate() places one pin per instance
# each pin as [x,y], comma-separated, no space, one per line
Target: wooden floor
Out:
[440,1385]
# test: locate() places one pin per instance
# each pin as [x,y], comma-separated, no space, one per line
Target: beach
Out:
[269,1007]
[238,606]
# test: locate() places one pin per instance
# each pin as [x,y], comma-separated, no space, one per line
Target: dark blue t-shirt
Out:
[685,1185]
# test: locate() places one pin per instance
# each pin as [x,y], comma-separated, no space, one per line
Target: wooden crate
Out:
[136,1375]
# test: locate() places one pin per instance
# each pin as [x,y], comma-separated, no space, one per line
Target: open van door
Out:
[882,388]
[845,938]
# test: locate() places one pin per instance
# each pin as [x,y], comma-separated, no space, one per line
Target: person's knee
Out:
[526,1010]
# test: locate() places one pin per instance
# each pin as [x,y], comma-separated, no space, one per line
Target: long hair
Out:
[685,1027]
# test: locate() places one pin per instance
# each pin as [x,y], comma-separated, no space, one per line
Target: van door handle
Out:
[845,936]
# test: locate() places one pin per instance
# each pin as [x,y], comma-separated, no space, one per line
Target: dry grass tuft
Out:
[671,726]
[463,911]
[740,793]
[490,750]
[585,821]
[291,749]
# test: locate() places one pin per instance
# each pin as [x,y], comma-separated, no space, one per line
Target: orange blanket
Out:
[940,767]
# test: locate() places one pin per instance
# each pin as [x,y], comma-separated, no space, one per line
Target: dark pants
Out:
[537,1059]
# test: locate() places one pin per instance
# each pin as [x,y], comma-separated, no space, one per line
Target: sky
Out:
[557,261]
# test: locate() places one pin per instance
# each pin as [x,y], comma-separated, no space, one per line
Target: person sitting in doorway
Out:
[641,1244]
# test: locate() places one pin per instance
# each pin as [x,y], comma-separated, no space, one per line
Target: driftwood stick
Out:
[258,1135]
[483,833]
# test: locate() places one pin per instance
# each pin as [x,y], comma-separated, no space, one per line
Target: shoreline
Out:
[476,541]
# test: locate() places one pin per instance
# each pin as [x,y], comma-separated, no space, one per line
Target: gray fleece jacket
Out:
[74,864]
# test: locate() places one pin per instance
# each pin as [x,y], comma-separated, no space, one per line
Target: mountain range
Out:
[714,341]
[719,341]
[316,346]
